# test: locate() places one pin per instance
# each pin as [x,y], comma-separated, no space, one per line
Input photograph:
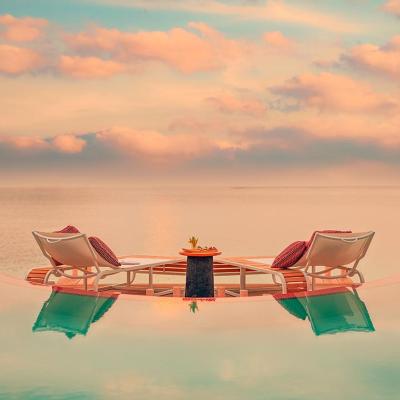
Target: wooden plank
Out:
[294,279]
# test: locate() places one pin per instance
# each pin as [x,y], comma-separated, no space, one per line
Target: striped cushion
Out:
[68,229]
[290,255]
[104,251]
[325,231]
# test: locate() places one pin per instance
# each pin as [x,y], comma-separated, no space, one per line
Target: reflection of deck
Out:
[226,273]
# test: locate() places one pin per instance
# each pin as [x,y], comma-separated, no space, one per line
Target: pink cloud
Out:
[384,59]
[187,51]
[156,146]
[16,60]
[277,40]
[21,29]
[393,7]
[61,143]
[228,103]
[328,91]
[89,67]
[25,142]
[68,143]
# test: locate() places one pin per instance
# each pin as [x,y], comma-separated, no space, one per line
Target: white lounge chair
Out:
[75,253]
[335,251]
[327,252]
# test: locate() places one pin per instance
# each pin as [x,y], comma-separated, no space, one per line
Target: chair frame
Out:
[305,264]
[98,274]
[348,271]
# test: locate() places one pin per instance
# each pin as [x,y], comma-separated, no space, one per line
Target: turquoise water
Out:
[64,346]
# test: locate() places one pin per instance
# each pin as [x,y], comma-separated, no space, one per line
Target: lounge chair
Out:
[335,251]
[327,252]
[69,253]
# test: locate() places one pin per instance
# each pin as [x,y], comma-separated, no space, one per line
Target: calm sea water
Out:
[57,346]
[238,220]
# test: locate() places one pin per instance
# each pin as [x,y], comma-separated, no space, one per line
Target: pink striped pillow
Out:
[104,251]
[290,255]
[68,229]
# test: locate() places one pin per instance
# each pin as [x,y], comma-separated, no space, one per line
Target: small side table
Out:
[199,273]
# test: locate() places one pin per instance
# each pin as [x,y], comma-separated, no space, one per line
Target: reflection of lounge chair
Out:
[327,252]
[70,253]
[71,313]
[329,311]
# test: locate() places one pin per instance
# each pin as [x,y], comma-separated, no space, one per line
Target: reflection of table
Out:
[199,273]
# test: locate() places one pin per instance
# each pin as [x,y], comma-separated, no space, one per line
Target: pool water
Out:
[337,344]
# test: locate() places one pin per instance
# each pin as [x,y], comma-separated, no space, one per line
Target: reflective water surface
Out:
[57,345]
[336,344]
[329,311]
[71,313]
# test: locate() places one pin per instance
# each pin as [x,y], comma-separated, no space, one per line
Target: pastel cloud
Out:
[202,50]
[277,40]
[17,60]
[282,148]
[227,103]
[367,126]
[332,92]
[68,143]
[393,7]
[384,59]
[291,148]
[155,145]
[21,29]
[61,143]
[22,142]
[89,67]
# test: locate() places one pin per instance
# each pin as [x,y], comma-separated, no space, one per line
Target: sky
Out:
[258,92]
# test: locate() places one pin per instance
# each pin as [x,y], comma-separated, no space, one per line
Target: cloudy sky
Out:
[246,91]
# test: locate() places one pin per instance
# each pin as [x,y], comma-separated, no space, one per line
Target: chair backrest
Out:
[334,249]
[73,249]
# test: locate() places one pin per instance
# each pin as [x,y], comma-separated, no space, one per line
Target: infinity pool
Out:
[62,346]
[339,344]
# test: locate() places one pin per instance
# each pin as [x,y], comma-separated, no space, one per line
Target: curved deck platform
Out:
[237,268]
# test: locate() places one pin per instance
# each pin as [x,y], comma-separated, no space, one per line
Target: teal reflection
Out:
[72,313]
[329,311]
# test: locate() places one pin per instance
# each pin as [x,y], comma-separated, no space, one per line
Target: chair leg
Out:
[360,276]
[284,285]
[313,278]
[47,277]
[96,282]
[151,277]
[242,278]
